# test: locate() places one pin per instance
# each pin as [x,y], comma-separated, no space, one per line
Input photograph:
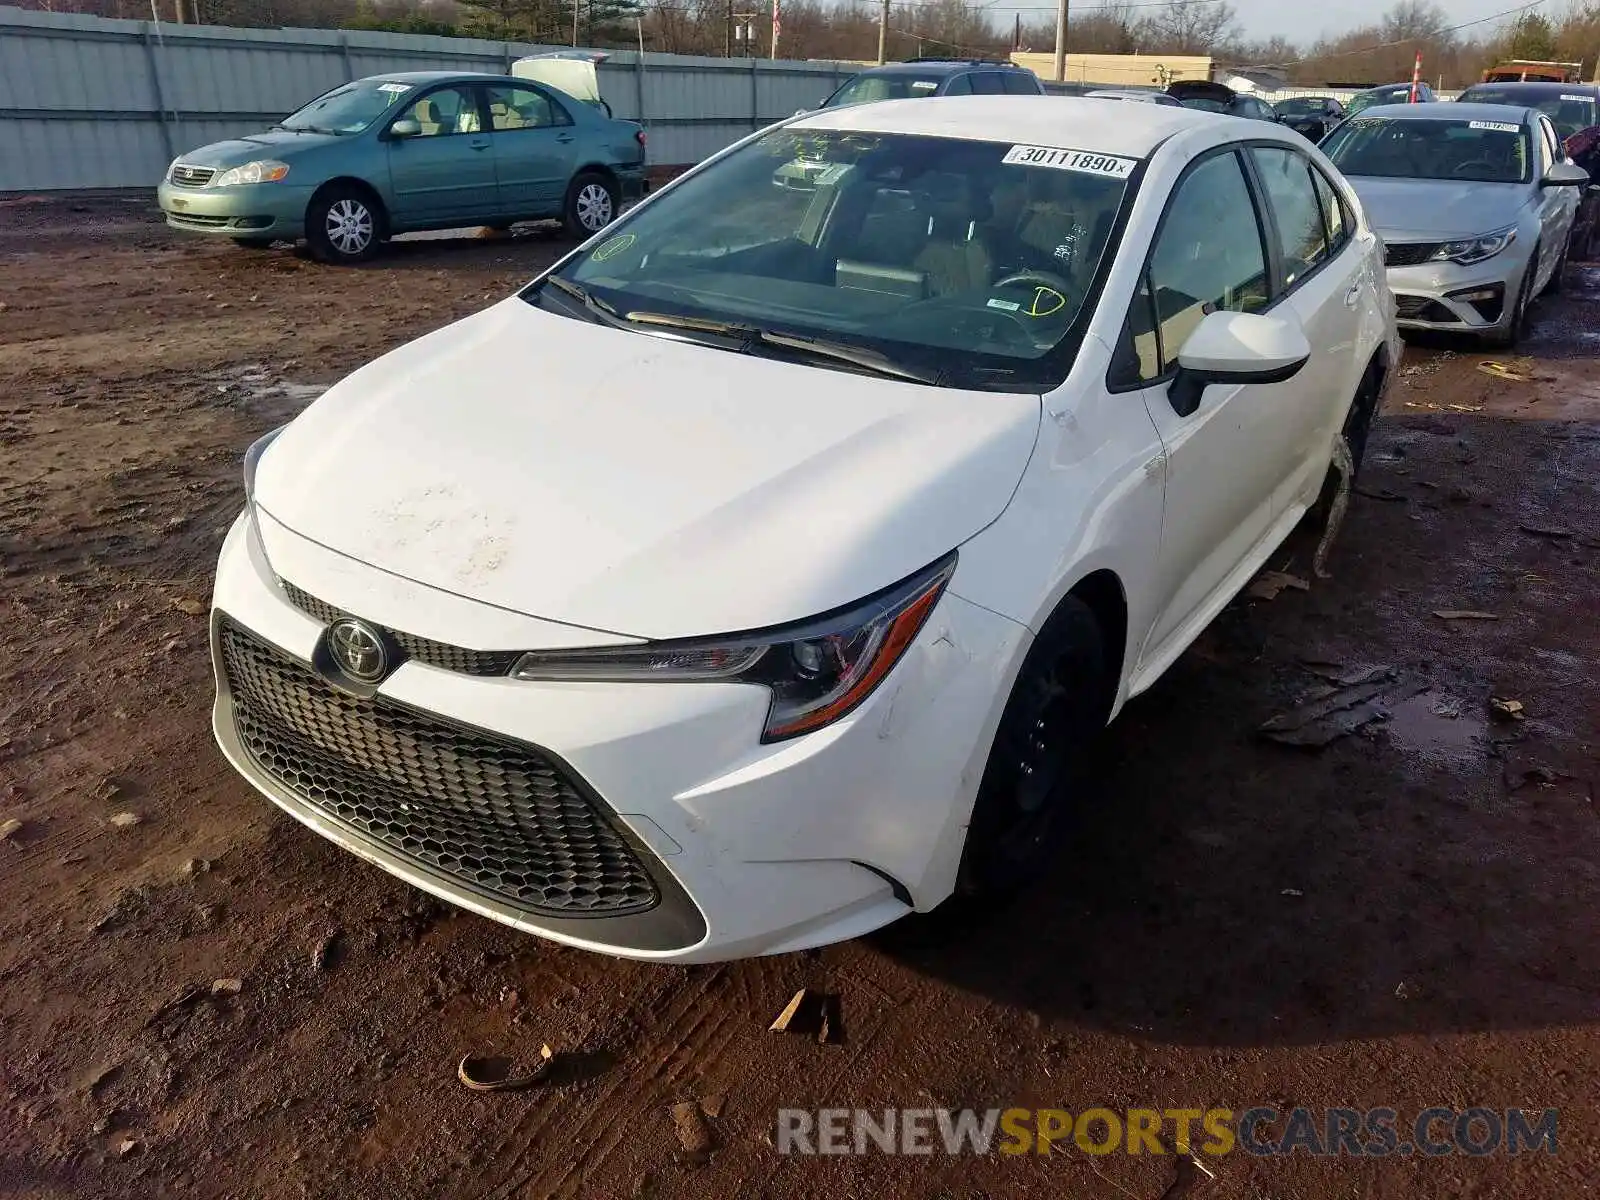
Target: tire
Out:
[1040,765]
[592,202]
[344,225]
[1507,338]
[1363,412]
[255,243]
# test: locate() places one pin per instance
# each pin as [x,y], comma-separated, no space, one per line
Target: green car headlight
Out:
[266,170]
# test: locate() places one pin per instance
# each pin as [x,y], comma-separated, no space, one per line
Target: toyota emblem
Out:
[357,650]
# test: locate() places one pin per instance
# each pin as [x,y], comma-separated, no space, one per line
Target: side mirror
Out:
[1236,348]
[1565,175]
[406,128]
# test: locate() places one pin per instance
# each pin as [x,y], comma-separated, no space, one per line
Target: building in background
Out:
[1119,70]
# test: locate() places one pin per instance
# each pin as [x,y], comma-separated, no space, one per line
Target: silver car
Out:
[1475,204]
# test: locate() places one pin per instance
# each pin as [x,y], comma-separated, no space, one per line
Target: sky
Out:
[1304,21]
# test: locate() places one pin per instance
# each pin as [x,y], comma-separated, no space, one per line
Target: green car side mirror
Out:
[407,128]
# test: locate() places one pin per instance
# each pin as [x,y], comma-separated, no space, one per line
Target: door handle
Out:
[479,143]
[563,137]
[1353,296]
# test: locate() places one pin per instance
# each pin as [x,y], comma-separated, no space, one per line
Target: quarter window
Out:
[988,83]
[1302,238]
[1335,216]
[960,85]
[1208,257]
[523,108]
[1018,84]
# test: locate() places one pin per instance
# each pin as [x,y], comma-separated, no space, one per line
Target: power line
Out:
[1409,41]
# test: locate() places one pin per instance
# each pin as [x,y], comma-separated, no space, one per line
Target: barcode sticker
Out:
[1497,126]
[1564,96]
[396,88]
[1112,166]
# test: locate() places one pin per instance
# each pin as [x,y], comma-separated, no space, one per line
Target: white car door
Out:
[1558,206]
[1325,286]
[1226,459]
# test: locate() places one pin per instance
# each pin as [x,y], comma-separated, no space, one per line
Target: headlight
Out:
[817,671]
[252,459]
[266,170]
[1475,250]
[170,165]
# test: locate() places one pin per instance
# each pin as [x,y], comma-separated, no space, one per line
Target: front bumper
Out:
[259,210]
[756,849]
[1450,297]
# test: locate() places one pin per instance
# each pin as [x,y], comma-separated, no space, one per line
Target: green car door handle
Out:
[563,137]
[479,143]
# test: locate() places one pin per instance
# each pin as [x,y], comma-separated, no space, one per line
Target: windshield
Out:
[966,261]
[1568,111]
[864,89]
[1299,106]
[1408,148]
[1372,99]
[348,109]
[1206,105]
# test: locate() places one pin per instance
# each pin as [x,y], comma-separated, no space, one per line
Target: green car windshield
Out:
[1429,148]
[347,109]
[968,262]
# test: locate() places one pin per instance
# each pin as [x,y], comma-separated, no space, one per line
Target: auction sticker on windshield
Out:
[396,88]
[1496,126]
[1111,165]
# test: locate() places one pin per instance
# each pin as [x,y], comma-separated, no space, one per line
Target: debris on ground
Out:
[1347,674]
[9,828]
[185,999]
[812,1013]
[1268,584]
[1464,614]
[189,606]
[1191,1172]
[1535,774]
[786,1019]
[1499,370]
[1542,531]
[493,1073]
[1383,494]
[193,867]
[1295,892]
[227,987]
[1330,713]
[1345,466]
[694,1134]
[129,1144]
[325,954]
[1508,710]
[125,820]
[712,1104]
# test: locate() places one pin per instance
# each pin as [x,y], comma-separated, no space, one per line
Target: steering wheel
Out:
[1463,168]
[1036,278]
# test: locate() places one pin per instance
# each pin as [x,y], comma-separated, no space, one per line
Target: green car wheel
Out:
[343,225]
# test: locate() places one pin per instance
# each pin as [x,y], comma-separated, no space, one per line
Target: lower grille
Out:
[499,817]
[1423,308]
[426,650]
[199,220]
[1408,254]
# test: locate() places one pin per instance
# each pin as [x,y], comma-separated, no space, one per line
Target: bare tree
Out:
[1189,27]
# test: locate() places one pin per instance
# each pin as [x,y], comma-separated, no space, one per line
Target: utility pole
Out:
[1061,40]
[574,22]
[883,31]
[727,33]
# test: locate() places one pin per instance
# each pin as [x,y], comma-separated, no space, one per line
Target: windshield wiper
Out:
[754,335]
[596,307]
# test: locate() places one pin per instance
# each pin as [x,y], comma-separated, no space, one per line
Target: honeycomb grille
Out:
[1408,254]
[499,817]
[426,650]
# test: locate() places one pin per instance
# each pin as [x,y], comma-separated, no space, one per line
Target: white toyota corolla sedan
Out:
[763,572]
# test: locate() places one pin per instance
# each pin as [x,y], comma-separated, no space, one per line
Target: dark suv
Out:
[1389,93]
[919,77]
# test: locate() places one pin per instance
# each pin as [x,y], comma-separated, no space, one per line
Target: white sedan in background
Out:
[1475,204]
[764,571]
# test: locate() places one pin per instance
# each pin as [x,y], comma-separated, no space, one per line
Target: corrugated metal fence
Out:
[88,102]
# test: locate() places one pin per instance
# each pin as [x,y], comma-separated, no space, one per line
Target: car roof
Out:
[1392,87]
[1537,90]
[1099,126]
[424,77]
[1450,110]
[935,66]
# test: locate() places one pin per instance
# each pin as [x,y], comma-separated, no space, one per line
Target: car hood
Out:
[1422,210]
[636,484]
[273,143]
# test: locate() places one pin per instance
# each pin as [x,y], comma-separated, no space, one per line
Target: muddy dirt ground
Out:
[1407,917]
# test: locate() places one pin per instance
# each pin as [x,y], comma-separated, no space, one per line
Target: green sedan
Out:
[408,151]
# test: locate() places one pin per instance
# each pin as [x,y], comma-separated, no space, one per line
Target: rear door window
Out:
[1302,236]
[988,83]
[1019,84]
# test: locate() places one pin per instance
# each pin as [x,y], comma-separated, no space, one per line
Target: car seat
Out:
[956,257]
